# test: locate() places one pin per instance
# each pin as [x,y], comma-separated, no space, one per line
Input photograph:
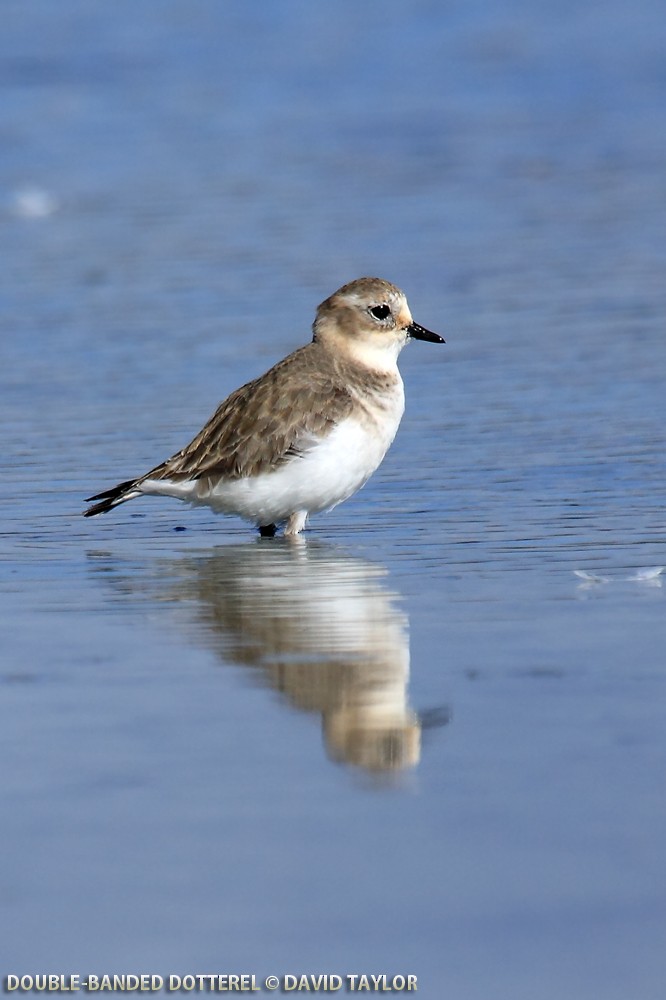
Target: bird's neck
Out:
[361,354]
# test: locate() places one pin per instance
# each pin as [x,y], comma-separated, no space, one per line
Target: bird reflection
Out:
[315,624]
[325,632]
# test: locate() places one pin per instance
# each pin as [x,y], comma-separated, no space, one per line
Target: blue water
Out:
[430,740]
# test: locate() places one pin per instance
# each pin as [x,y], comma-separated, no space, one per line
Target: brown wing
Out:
[262,424]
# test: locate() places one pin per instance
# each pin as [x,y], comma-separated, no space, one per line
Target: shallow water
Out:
[430,738]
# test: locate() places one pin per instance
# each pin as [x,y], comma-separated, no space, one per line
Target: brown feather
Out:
[269,420]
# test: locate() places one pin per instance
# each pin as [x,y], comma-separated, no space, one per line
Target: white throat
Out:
[379,357]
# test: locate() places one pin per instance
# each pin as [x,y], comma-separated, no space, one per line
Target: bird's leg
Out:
[296,523]
[267,530]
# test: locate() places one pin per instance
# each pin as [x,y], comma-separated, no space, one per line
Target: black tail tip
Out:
[99,508]
[108,499]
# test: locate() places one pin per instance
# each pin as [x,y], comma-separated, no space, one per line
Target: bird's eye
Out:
[380,312]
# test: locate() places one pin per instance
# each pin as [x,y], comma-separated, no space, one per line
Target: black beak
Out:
[419,333]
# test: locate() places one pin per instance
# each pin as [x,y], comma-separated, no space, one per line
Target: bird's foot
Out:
[296,523]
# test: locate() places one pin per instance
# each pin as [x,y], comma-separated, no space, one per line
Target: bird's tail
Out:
[112,498]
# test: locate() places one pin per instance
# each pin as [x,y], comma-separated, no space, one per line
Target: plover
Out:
[310,432]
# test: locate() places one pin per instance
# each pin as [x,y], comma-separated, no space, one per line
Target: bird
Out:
[307,434]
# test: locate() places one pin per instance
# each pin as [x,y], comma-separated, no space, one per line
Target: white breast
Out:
[323,476]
